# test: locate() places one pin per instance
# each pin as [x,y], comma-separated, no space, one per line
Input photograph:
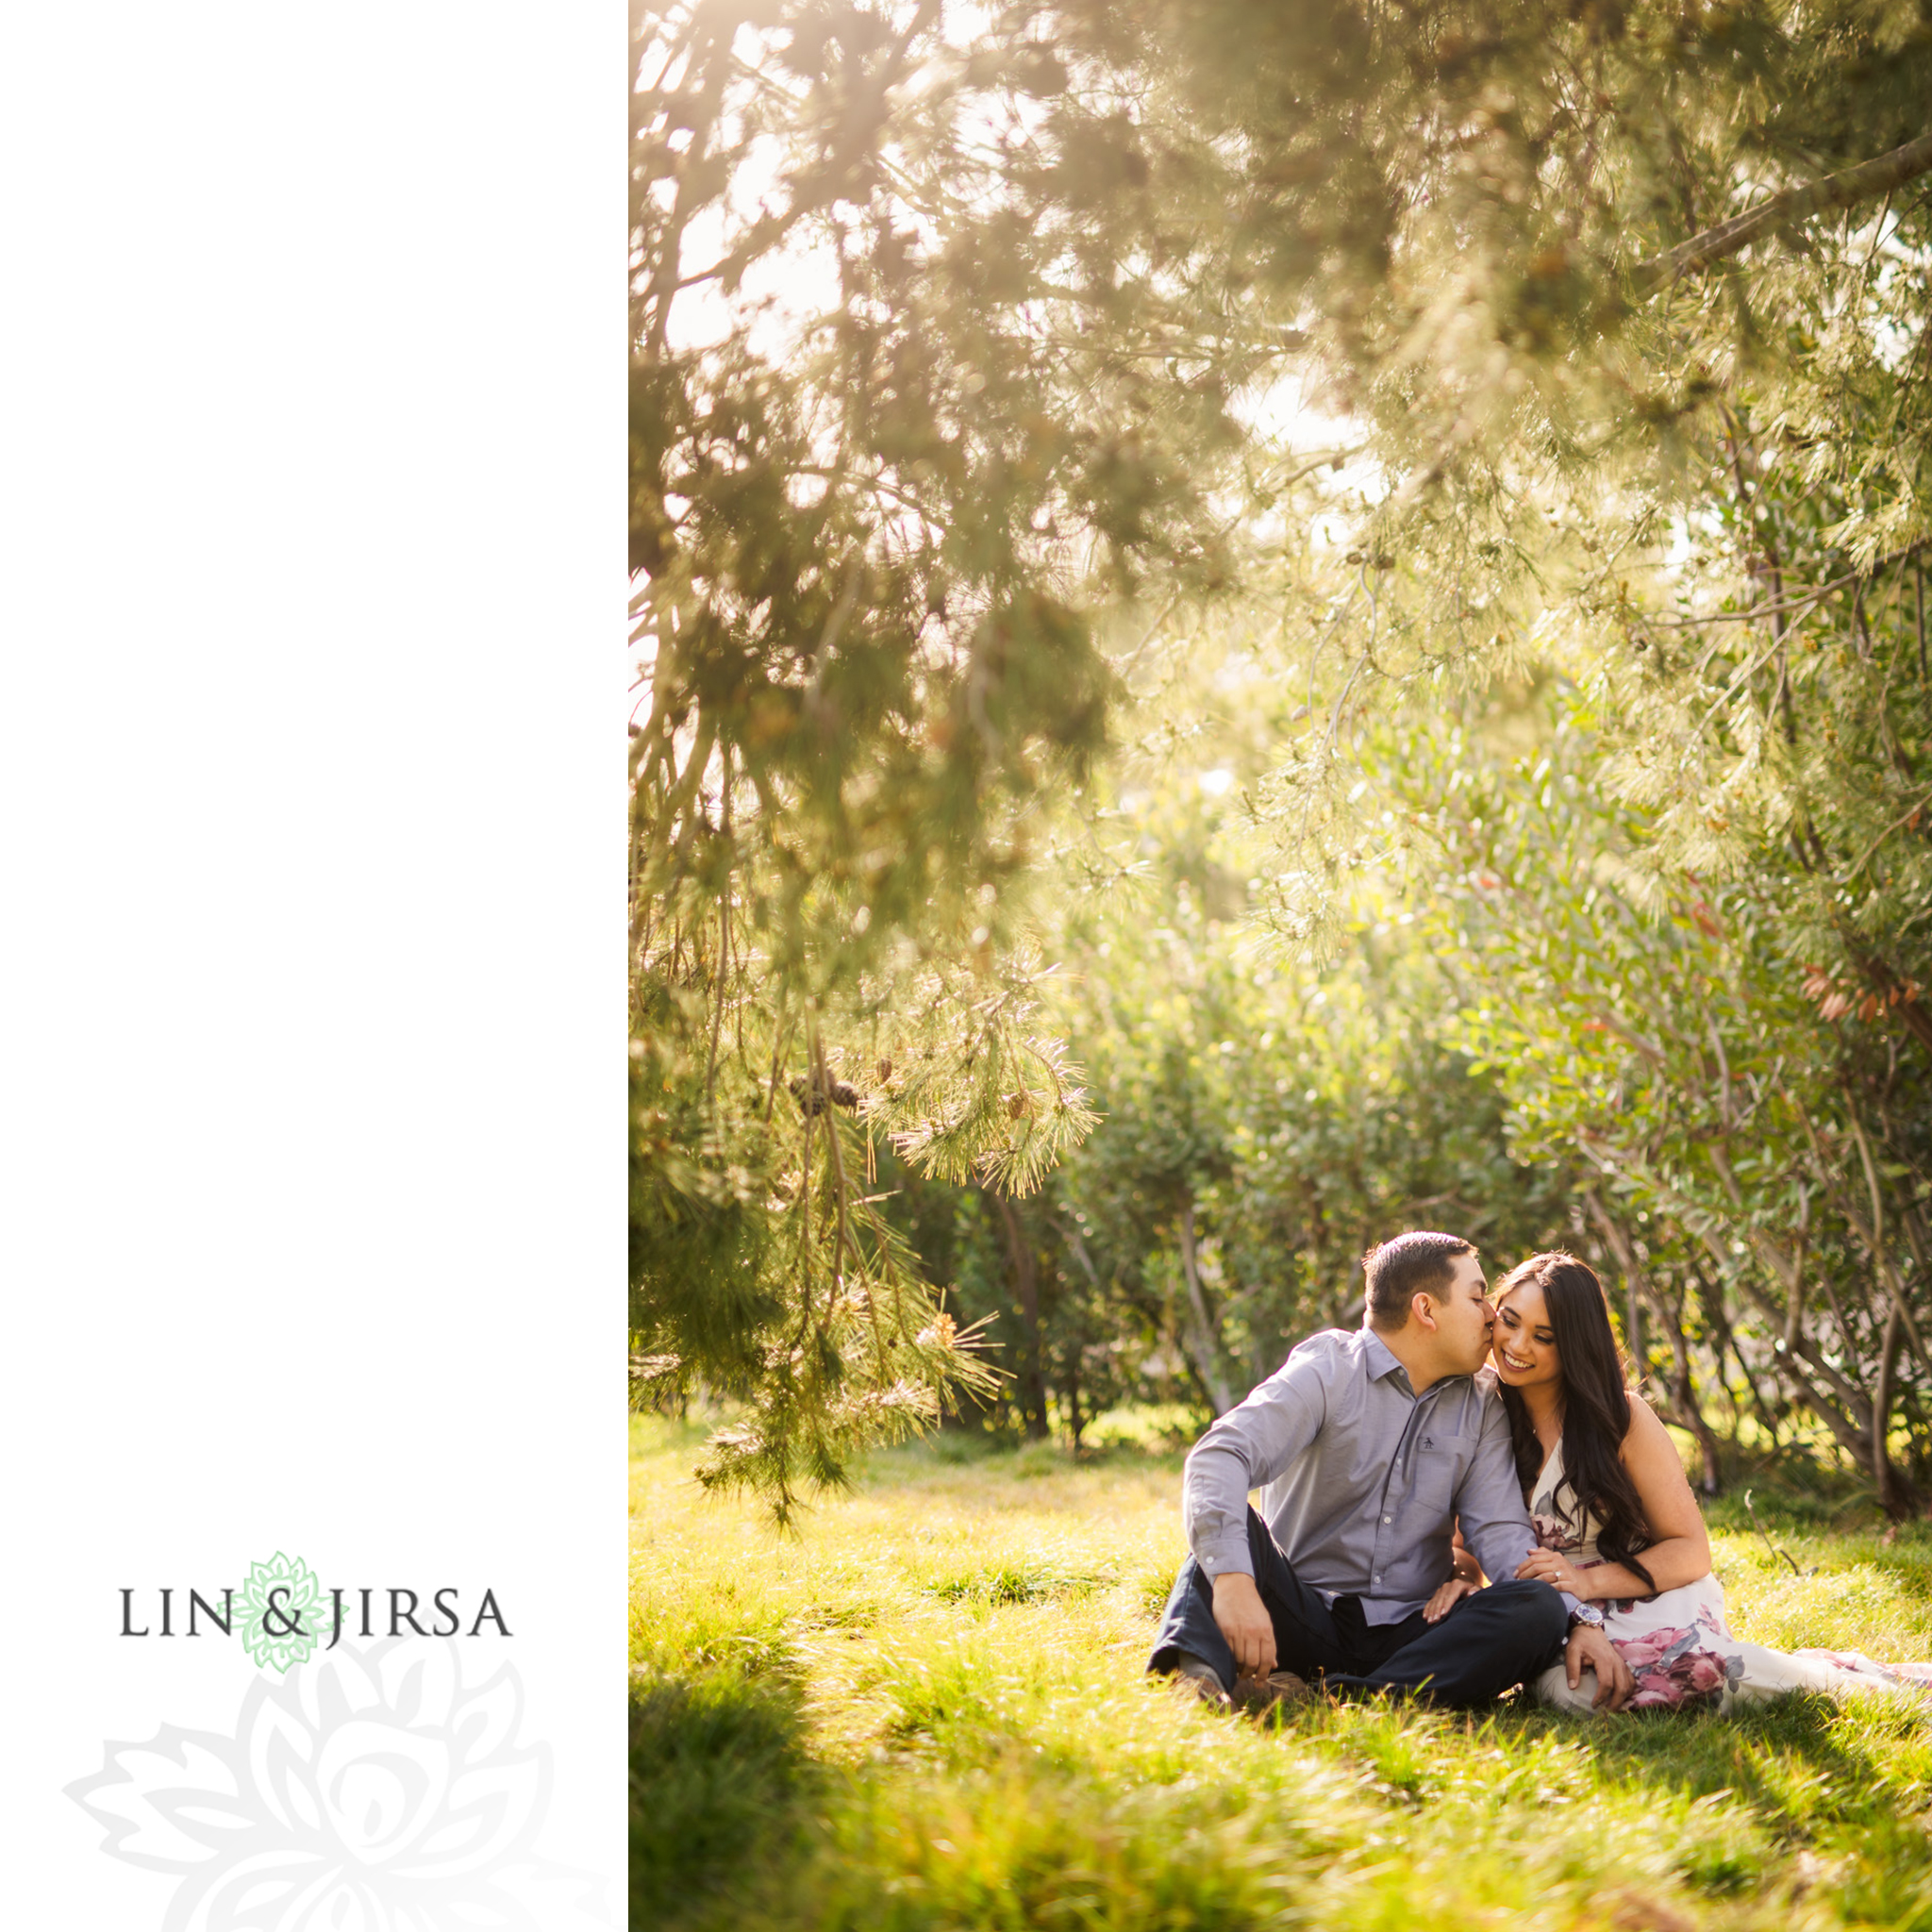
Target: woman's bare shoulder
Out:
[1650,1456]
[1646,1430]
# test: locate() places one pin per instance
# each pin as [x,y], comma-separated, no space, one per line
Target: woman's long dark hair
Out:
[1596,1406]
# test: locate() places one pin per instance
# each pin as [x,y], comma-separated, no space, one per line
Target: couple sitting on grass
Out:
[1399,1469]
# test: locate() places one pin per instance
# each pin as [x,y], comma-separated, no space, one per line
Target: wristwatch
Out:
[1587,1613]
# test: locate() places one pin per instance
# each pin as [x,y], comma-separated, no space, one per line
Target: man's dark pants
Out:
[1489,1642]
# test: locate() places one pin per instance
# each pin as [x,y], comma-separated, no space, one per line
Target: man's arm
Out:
[1248,1447]
[1495,1525]
[1590,1649]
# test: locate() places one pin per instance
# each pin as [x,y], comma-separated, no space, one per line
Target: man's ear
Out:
[1422,1307]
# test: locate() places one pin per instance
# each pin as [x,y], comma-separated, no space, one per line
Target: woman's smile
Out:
[1522,1342]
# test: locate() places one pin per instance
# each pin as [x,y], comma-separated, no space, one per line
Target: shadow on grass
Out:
[1845,1781]
[721,1792]
[1790,1761]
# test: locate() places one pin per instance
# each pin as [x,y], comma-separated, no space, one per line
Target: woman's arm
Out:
[1462,1559]
[1681,1550]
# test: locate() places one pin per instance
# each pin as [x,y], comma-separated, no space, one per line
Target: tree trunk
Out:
[1690,1411]
[1896,1495]
[1683,1394]
[1712,1296]
[1848,1417]
[1031,1384]
[1633,1307]
[1202,1346]
[1850,1425]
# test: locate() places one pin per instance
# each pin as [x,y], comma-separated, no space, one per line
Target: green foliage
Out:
[1693,506]
[856,471]
[1264,1123]
[989,363]
[1755,1174]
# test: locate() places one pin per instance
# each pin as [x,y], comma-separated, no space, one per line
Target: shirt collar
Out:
[1379,1356]
[1382,1362]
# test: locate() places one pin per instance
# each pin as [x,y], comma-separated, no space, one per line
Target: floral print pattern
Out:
[1679,1648]
[1674,1667]
[1551,1532]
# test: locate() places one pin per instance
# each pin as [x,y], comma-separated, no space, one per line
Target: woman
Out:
[1615,1521]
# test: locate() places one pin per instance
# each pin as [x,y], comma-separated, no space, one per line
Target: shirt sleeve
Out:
[1495,1525]
[1249,1447]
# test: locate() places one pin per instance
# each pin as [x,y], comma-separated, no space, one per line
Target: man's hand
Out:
[1590,1649]
[1553,1568]
[1244,1622]
[1446,1598]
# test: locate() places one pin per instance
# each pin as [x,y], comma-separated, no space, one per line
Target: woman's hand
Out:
[1446,1598]
[1553,1567]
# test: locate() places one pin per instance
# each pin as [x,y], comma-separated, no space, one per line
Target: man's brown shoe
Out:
[1196,1681]
[1265,1693]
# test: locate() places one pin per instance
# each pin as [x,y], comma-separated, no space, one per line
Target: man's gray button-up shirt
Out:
[1362,1480]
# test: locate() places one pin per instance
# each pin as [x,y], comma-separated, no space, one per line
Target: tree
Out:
[962,341]
[1264,1122]
[873,502]
[1757,1174]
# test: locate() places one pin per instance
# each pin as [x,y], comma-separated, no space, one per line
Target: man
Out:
[1367,1448]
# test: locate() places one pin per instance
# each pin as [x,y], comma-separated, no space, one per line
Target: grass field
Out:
[928,1710]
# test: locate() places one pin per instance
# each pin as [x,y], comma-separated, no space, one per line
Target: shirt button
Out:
[1388,1518]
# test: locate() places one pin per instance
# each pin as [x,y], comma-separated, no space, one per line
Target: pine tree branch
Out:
[1846,189]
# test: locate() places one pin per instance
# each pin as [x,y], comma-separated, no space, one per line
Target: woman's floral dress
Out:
[1676,1643]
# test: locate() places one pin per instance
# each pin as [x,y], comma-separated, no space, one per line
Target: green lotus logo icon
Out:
[279,1606]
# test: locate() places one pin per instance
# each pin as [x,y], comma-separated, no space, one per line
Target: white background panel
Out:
[311,363]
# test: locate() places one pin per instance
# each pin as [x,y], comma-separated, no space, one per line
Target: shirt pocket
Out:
[1442,1460]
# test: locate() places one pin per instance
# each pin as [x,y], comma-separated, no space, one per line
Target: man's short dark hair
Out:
[1406,1265]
